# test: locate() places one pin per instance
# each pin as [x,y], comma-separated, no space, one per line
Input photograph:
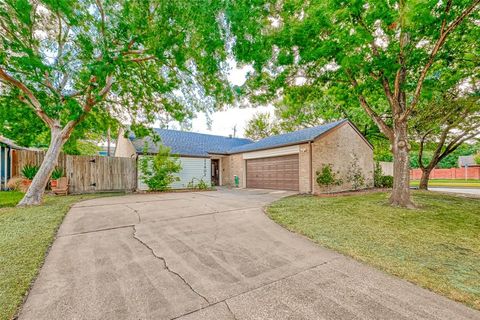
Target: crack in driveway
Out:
[166,265]
[230,310]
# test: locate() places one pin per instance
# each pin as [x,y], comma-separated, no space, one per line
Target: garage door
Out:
[273,173]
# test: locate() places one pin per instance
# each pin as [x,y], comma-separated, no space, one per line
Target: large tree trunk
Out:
[401,167]
[424,179]
[36,190]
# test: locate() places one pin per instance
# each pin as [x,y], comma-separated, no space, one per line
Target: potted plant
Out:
[28,172]
[56,174]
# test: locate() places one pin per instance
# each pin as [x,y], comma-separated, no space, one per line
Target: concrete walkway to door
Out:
[210,255]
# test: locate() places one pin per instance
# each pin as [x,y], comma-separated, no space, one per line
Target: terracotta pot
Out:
[25,185]
[53,183]
[26,182]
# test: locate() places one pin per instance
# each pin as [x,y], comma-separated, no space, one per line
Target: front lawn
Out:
[25,235]
[436,246]
[454,183]
[10,198]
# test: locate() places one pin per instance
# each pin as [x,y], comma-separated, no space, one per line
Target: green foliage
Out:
[29,171]
[380,58]
[379,180]
[200,184]
[386,182]
[377,175]
[355,175]
[260,126]
[450,161]
[443,127]
[158,171]
[328,42]
[327,178]
[83,65]
[477,158]
[57,173]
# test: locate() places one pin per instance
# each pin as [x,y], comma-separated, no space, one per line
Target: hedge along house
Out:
[285,162]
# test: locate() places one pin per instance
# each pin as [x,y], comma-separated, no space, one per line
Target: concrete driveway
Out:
[463,191]
[210,255]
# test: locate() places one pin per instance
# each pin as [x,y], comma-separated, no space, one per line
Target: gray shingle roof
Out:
[186,143]
[291,138]
[189,143]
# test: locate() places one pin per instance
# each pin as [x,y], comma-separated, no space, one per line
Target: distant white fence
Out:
[387,168]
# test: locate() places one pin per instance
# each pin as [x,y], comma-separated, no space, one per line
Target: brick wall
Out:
[225,168]
[304,168]
[231,166]
[452,173]
[338,148]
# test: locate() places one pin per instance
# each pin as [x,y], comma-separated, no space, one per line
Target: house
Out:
[286,161]
[6,155]
[467,161]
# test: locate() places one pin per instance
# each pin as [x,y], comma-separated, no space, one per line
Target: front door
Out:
[215,172]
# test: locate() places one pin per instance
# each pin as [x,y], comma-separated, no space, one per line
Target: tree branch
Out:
[33,101]
[420,151]
[386,130]
[89,103]
[438,45]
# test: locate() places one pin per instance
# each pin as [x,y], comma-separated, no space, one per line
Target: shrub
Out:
[57,173]
[377,175]
[379,180]
[201,185]
[15,184]
[477,158]
[387,182]
[29,171]
[327,178]
[355,174]
[158,172]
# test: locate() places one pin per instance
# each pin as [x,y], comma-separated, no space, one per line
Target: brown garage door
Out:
[273,173]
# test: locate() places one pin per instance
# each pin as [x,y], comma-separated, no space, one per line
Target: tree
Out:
[158,171]
[383,56]
[66,60]
[444,124]
[260,126]
[20,124]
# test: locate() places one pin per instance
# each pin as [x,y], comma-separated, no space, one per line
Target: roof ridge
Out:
[266,143]
[305,129]
[204,134]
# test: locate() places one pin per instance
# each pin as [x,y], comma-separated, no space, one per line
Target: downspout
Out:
[310,166]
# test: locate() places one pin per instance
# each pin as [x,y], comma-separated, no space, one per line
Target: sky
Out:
[223,122]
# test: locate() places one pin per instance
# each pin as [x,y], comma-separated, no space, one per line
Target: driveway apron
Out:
[210,255]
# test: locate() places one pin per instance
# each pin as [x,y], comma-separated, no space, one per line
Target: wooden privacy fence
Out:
[86,174]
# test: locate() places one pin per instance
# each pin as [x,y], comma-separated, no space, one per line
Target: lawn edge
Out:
[19,307]
[365,263]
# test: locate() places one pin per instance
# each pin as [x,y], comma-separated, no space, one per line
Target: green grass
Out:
[436,246]
[25,236]
[9,198]
[462,183]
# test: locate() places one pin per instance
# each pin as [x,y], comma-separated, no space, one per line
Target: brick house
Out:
[286,162]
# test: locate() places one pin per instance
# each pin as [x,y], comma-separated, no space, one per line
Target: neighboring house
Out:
[6,153]
[285,162]
[468,161]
